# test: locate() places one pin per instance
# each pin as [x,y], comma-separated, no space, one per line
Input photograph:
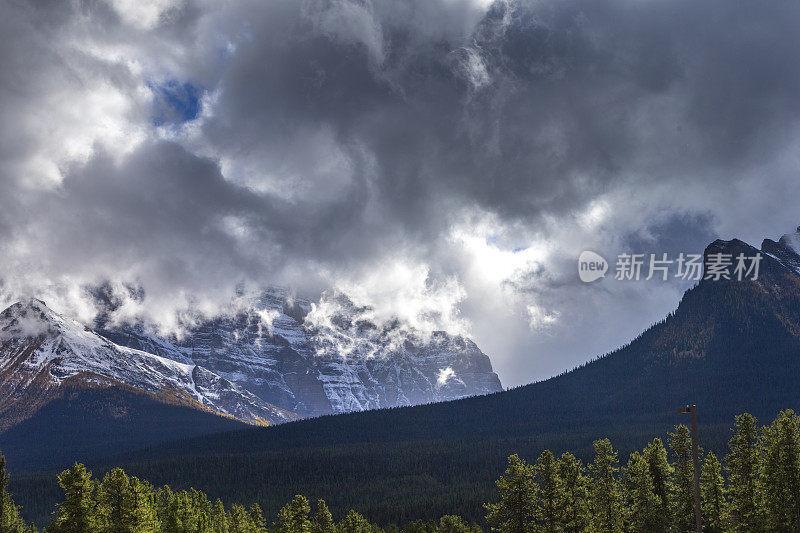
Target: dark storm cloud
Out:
[299,141]
[175,210]
[674,235]
[568,108]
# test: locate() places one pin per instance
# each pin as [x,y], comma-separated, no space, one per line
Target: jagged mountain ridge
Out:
[343,363]
[43,354]
[730,347]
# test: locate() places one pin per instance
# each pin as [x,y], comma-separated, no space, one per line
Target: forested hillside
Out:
[753,489]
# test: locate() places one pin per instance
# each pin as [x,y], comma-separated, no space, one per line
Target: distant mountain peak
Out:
[785,251]
[792,241]
[28,319]
[41,350]
[35,303]
[328,357]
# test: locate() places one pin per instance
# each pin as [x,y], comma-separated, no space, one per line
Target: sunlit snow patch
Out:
[445,375]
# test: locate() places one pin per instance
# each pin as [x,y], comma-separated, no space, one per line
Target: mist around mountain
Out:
[729,347]
[70,391]
[327,357]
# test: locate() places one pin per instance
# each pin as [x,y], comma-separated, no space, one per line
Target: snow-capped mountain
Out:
[42,353]
[290,354]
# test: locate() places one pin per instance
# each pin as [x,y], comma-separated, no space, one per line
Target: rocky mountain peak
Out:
[42,351]
[786,251]
[29,318]
[791,241]
[332,356]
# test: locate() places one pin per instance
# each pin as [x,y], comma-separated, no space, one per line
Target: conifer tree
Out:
[780,473]
[218,520]
[183,512]
[516,512]
[605,497]
[199,513]
[6,505]
[573,501]
[661,474]
[712,492]
[256,517]
[239,520]
[323,520]
[10,521]
[355,523]
[549,491]
[742,463]
[420,526]
[146,514]
[293,518]
[167,507]
[78,513]
[454,524]
[683,479]
[644,513]
[125,504]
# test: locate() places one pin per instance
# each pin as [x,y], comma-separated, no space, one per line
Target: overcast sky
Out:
[443,160]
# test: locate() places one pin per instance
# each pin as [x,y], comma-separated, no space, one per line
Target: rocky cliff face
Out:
[287,354]
[42,353]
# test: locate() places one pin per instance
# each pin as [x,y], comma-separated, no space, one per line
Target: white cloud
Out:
[267,317]
[353,22]
[541,318]
[143,14]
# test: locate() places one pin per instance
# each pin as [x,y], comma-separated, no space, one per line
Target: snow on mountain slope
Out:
[786,250]
[312,365]
[792,240]
[40,350]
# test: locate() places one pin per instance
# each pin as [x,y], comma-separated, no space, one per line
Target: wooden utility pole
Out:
[692,409]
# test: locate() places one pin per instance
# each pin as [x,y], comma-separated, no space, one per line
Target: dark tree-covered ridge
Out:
[649,493]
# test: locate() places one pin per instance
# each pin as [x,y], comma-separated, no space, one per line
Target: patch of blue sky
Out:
[175,102]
